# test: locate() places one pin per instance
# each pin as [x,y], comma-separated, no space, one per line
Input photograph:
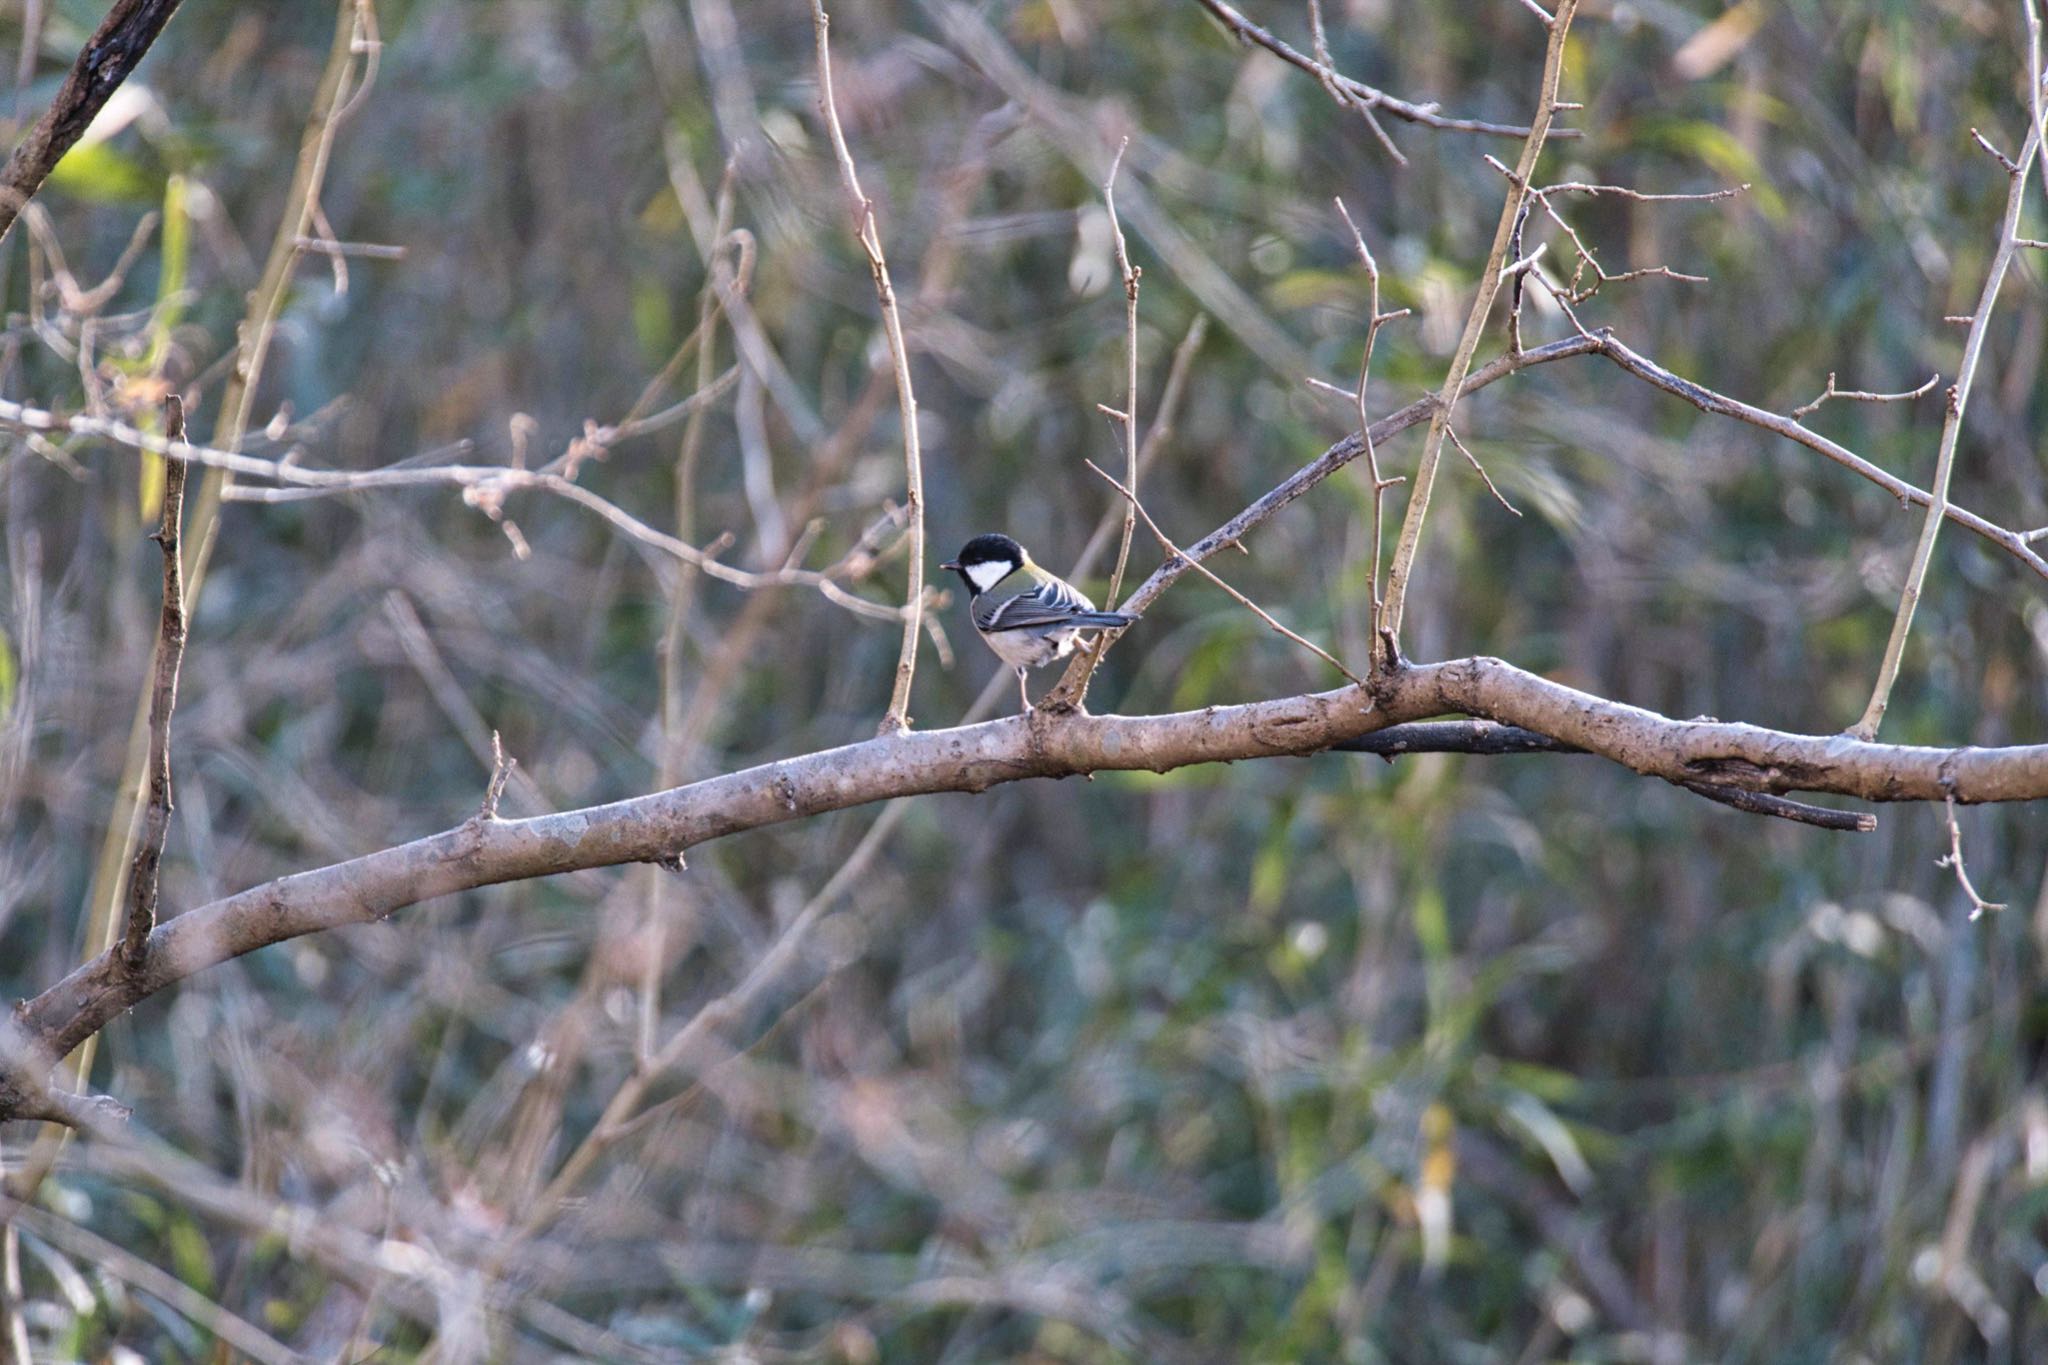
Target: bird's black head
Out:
[986,561]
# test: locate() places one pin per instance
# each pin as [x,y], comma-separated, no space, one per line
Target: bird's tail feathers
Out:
[1107,620]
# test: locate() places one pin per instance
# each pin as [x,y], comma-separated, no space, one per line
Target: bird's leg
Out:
[1024,692]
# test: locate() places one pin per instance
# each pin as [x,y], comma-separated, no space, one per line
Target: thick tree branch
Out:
[974,758]
[113,51]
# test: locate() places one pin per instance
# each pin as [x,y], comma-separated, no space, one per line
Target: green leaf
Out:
[102,175]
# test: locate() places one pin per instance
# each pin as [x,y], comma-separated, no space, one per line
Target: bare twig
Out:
[1066,694]
[1326,72]
[1174,551]
[327,246]
[1640,196]
[898,715]
[1131,275]
[163,699]
[115,48]
[501,773]
[1480,469]
[1475,323]
[1575,291]
[1426,114]
[1860,396]
[1380,484]
[1127,422]
[1951,432]
[2011,167]
[1953,860]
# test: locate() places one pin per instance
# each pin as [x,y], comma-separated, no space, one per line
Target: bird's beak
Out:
[950,564]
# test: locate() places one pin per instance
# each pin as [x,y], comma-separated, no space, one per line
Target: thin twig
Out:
[1175,552]
[1131,275]
[1475,324]
[1066,694]
[114,50]
[1426,114]
[501,773]
[1951,432]
[1480,469]
[163,699]
[1861,396]
[1640,196]
[1380,484]
[1127,420]
[898,715]
[1326,73]
[1954,861]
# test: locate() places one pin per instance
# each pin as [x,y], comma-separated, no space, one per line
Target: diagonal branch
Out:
[1952,426]
[116,47]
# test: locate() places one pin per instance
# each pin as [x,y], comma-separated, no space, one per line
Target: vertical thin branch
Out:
[1380,484]
[116,46]
[1073,684]
[163,699]
[1131,276]
[1084,665]
[898,717]
[1475,324]
[1952,425]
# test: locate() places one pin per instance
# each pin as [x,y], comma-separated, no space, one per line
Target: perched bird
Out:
[1032,627]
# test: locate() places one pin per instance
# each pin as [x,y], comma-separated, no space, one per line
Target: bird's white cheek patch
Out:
[986,576]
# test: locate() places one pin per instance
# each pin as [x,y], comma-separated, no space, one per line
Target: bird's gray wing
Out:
[1052,603]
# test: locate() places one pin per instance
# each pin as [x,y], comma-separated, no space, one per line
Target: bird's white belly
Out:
[1028,649]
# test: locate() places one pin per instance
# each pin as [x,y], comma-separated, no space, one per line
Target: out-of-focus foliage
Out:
[1516,1059]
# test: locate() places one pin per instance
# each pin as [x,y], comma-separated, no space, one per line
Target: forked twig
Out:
[1861,396]
[1954,861]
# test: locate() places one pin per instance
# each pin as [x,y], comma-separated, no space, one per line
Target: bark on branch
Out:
[113,51]
[974,758]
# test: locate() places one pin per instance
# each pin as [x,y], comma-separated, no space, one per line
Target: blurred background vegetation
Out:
[1464,1060]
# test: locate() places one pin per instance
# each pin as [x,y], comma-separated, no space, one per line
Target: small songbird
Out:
[1032,627]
